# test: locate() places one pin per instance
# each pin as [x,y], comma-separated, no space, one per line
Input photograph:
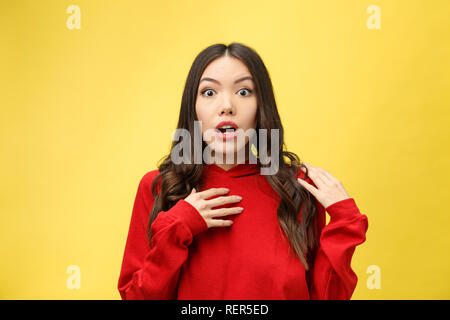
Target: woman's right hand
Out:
[199,201]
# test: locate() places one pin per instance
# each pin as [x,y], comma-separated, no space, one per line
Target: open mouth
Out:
[226,132]
[226,129]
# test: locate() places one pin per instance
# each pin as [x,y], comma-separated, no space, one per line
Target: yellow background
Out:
[86,113]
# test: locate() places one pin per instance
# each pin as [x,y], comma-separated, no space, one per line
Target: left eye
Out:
[245,90]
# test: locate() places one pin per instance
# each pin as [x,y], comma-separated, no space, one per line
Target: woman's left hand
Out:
[329,190]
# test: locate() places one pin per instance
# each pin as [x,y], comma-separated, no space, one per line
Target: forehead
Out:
[224,68]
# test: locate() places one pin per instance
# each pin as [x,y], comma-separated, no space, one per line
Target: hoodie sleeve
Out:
[331,276]
[152,271]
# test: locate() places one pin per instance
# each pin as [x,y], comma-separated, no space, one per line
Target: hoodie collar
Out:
[239,170]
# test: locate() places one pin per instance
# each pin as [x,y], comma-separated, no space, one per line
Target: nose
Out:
[226,110]
[226,105]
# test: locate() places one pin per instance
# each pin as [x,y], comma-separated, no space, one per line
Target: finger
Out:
[320,176]
[308,166]
[315,176]
[330,177]
[302,173]
[220,201]
[213,192]
[308,187]
[321,179]
[220,223]
[225,211]
[311,169]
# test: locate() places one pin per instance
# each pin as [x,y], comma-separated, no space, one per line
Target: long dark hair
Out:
[177,181]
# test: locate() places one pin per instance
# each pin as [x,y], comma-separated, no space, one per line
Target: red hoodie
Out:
[248,260]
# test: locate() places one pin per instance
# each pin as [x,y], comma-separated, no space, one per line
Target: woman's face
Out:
[226,92]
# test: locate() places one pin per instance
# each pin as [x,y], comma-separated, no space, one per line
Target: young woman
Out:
[224,230]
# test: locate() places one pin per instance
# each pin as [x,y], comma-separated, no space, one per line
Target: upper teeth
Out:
[227,127]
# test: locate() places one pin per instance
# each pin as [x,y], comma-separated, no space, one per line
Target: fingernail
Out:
[240,198]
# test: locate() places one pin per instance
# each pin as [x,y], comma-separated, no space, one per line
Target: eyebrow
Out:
[238,80]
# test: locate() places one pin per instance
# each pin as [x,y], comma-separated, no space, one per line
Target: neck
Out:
[227,165]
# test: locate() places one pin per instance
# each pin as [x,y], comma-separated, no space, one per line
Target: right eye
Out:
[208,92]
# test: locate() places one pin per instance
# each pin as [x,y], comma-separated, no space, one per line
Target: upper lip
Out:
[229,123]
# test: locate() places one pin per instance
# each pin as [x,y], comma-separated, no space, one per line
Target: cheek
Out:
[200,111]
[203,115]
[250,115]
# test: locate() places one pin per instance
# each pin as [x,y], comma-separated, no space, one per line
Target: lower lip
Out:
[226,136]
